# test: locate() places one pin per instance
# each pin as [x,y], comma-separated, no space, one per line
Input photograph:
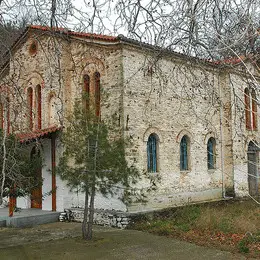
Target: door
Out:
[252,165]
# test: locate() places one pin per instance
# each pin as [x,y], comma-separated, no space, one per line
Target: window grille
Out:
[152,153]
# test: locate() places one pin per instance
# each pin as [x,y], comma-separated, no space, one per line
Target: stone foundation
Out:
[110,218]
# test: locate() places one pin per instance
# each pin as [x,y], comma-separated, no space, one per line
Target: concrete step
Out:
[29,221]
[2,223]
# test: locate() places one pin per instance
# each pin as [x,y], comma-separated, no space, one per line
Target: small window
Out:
[184,153]
[30,107]
[211,153]
[85,93]
[33,47]
[247,109]
[250,109]
[39,106]
[152,153]
[97,93]
[254,110]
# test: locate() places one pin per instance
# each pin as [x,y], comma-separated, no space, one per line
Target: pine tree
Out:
[94,160]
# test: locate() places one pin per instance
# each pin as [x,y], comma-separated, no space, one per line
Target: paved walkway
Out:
[27,217]
[62,241]
[4,212]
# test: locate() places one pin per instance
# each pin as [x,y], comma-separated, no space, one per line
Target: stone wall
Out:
[241,136]
[58,66]
[110,218]
[172,97]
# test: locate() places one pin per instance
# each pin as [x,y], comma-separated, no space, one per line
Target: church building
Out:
[192,123]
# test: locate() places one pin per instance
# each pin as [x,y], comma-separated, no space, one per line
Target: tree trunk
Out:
[91,212]
[85,217]
[93,188]
[4,163]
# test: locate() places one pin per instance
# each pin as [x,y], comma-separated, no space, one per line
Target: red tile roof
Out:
[78,34]
[231,61]
[24,137]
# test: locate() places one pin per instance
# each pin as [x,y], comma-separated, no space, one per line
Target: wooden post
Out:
[12,201]
[53,166]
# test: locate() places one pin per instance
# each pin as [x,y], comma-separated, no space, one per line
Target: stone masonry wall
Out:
[241,136]
[101,217]
[58,66]
[172,97]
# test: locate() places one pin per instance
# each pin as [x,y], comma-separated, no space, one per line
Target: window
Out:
[85,92]
[250,109]
[39,106]
[254,109]
[152,153]
[1,116]
[247,109]
[211,153]
[184,153]
[30,107]
[97,93]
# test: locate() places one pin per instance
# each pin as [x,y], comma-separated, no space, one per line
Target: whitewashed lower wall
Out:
[241,180]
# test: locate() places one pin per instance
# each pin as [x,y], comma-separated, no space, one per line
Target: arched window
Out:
[247,109]
[152,153]
[30,107]
[184,153]
[85,92]
[39,106]
[211,153]
[254,109]
[250,109]
[97,93]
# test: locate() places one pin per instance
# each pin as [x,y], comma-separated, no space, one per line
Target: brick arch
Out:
[91,65]
[153,130]
[209,135]
[34,79]
[251,138]
[183,133]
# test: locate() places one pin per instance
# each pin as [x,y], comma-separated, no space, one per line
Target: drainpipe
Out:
[221,140]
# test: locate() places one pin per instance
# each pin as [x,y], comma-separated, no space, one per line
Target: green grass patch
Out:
[224,217]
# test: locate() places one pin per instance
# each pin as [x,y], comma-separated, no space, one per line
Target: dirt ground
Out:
[63,241]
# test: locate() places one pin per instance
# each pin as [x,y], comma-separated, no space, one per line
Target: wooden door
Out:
[36,195]
[252,165]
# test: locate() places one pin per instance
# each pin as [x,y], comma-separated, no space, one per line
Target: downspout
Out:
[221,138]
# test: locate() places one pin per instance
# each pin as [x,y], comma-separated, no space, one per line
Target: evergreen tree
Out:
[94,160]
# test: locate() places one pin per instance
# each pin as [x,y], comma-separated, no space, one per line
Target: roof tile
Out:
[78,34]
[24,137]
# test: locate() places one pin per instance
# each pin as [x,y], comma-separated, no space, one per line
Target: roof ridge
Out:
[74,33]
